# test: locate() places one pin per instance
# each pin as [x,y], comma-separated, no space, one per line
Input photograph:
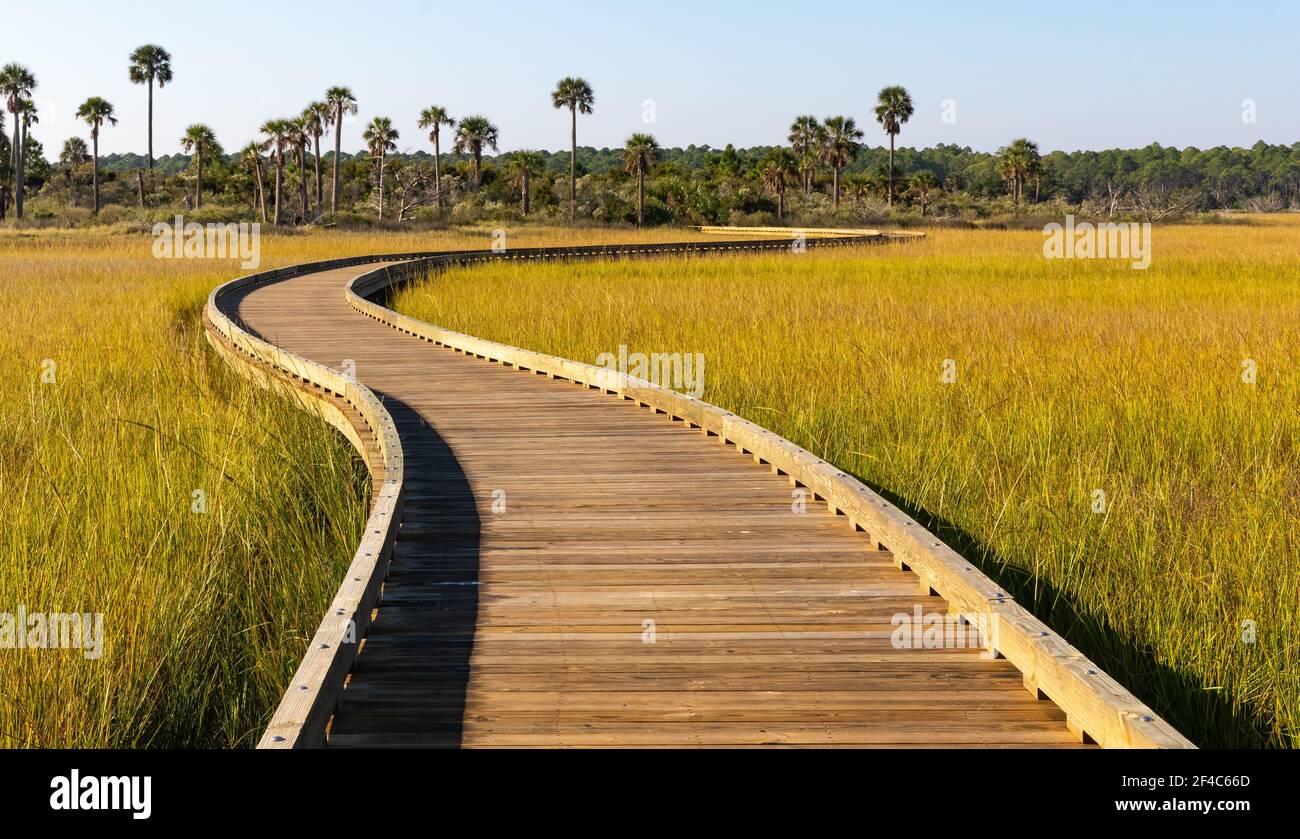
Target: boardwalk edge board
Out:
[1097,707]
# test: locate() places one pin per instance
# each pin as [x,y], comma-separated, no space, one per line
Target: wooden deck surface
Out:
[529,627]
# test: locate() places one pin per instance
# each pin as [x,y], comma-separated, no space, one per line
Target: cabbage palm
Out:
[923,187]
[75,152]
[526,165]
[300,138]
[575,94]
[893,108]
[639,155]
[806,140]
[315,117]
[1034,167]
[150,65]
[250,157]
[1018,162]
[473,133]
[776,170]
[840,147]
[342,102]
[433,119]
[381,138]
[200,141]
[96,111]
[279,133]
[16,85]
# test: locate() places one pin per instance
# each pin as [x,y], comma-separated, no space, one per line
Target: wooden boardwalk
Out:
[573,570]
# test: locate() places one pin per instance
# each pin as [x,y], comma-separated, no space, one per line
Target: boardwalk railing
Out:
[1097,707]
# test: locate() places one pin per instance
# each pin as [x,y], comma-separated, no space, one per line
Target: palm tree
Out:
[840,147]
[893,108]
[472,135]
[278,136]
[574,93]
[776,170]
[199,140]
[434,118]
[923,186]
[96,111]
[1017,163]
[1034,167]
[380,137]
[300,138]
[28,115]
[315,116]
[75,152]
[638,157]
[806,140]
[526,165]
[151,64]
[251,158]
[17,84]
[342,102]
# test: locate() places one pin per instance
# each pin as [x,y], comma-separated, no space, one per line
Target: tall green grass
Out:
[1072,377]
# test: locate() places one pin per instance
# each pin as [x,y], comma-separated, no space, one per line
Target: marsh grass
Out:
[1072,377]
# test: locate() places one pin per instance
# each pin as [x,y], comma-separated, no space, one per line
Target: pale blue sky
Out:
[1081,75]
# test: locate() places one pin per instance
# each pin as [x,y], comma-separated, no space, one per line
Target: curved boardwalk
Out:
[528,626]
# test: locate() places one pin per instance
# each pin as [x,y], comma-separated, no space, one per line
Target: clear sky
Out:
[1097,74]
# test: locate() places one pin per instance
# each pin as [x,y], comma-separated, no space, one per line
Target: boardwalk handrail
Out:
[1097,707]
[301,718]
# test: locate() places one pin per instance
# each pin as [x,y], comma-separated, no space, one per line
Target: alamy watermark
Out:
[178,240]
[1103,240]
[683,372]
[74,791]
[917,630]
[24,630]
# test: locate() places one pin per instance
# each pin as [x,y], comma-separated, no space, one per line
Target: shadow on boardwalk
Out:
[408,688]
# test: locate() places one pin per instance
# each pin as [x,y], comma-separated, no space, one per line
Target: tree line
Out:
[280,176]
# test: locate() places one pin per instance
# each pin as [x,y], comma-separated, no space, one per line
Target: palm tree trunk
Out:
[780,204]
[151,123]
[437,169]
[338,142]
[525,194]
[640,199]
[302,182]
[21,152]
[381,185]
[836,185]
[320,188]
[95,178]
[573,164]
[891,169]
[279,182]
[478,170]
[261,188]
[198,183]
